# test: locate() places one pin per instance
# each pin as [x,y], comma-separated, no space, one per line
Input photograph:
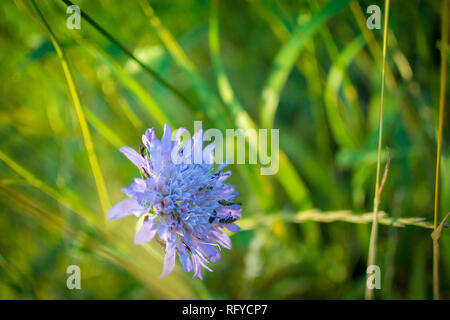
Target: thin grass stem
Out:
[372,43]
[116,42]
[32,180]
[345,216]
[374,232]
[444,58]
[96,171]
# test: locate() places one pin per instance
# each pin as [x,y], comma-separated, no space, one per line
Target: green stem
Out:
[374,232]
[98,177]
[345,216]
[444,34]
[111,38]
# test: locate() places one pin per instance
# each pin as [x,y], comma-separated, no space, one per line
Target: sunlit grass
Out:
[311,69]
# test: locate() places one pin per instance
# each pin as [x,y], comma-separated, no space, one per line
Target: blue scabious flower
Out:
[185,202]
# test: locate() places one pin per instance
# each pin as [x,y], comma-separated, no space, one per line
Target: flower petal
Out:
[153,144]
[169,259]
[166,142]
[146,233]
[222,166]
[210,252]
[233,210]
[163,231]
[125,208]
[197,147]
[133,156]
[222,238]
[208,153]
[197,267]
[232,227]
[224,176]
[147,137]
[136,188]
[178,134]
[184,257]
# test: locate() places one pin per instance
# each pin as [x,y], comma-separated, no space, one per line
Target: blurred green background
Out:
[317,58]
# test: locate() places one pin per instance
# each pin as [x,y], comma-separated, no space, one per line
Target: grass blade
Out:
[108,246]
[373,45]
[287,174]
[147,69]
[46,188]
[285,60]
[343,133]
[210,104]
[98,177]
[346,216]
[374,232]
[444,59]
[103,129]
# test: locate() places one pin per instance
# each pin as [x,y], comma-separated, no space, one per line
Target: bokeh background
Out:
[323,65]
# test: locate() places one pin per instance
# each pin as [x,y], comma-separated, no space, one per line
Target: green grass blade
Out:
[46,188]
[372,42]
[142,264]
[146,68]
[103,129]
[346,216]
[287,175]
[98,176]
[371,259]
[210,104]
[349,89]
[344,134]
[442,92]
[286,57]
[150,104]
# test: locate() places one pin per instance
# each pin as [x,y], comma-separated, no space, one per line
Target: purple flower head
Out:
[185,203]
